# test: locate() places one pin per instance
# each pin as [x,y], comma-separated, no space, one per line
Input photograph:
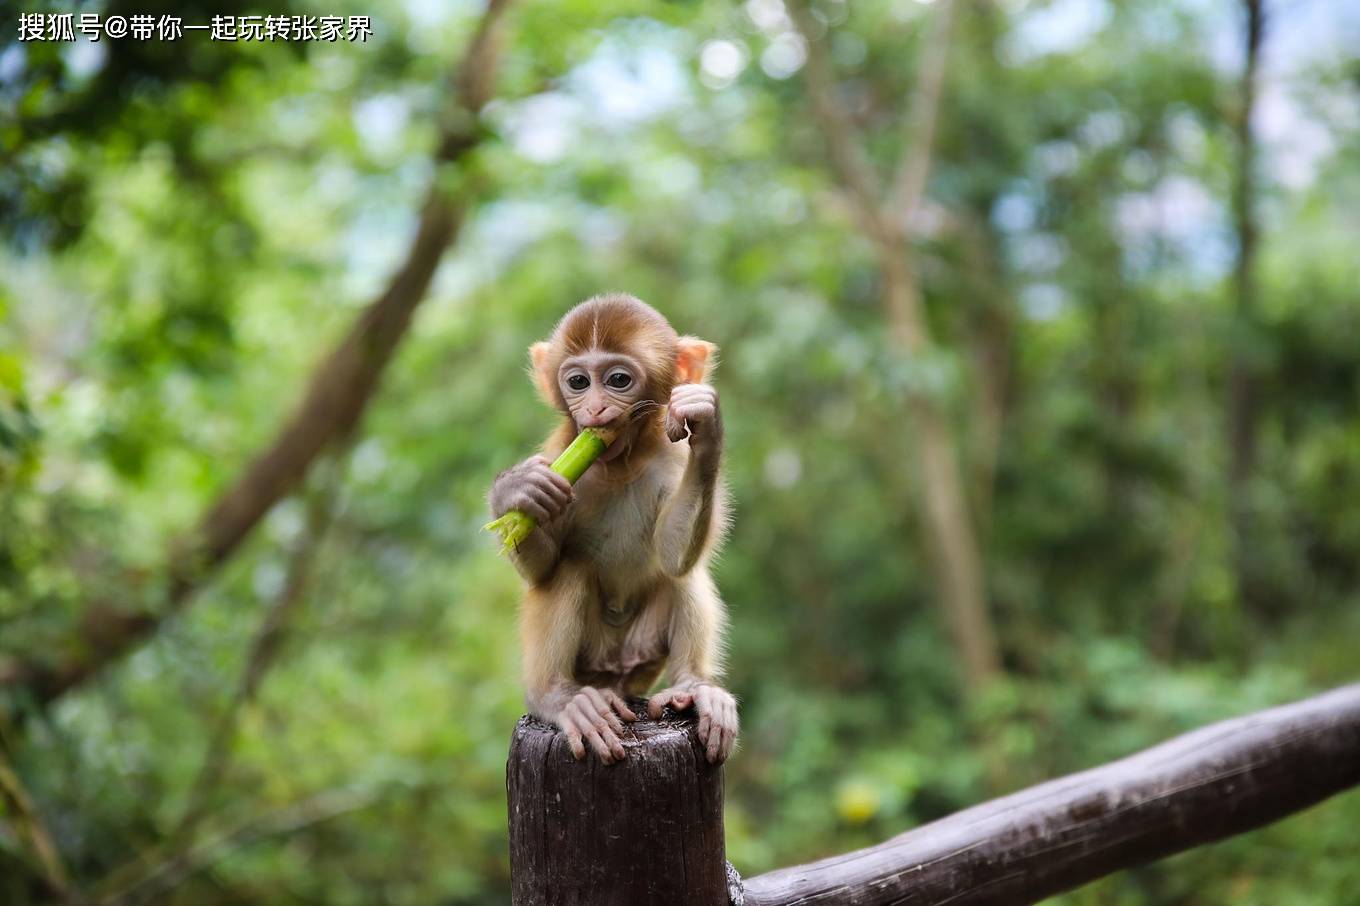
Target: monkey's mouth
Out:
[615,449]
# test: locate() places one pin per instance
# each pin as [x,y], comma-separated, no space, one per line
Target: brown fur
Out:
[619,586]
[613,322]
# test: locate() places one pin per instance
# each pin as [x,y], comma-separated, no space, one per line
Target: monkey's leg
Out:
[697,618]
[551,628]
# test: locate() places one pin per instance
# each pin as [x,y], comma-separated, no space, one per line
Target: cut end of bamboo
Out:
[511,529]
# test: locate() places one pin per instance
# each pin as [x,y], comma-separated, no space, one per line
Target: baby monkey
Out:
[617,569]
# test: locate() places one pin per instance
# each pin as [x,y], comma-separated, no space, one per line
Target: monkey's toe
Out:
[672,698]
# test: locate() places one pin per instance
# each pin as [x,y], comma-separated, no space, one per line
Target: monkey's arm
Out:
[688,519]
[536,556]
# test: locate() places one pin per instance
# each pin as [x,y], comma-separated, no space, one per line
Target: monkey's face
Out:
[602,388]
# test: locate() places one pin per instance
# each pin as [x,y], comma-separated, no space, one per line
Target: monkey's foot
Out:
[592,716]
[717,711]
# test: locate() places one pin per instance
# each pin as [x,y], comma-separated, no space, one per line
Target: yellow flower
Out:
[857,801]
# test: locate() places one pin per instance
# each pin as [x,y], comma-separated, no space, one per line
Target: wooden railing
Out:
[649,830]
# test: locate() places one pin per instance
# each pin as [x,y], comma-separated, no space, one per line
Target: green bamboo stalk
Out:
[515,525]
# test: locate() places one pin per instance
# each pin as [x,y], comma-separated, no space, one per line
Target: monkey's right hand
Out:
[590,715]
[533,488]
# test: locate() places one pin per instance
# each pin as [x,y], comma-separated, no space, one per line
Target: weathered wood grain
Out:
[1212,783]
[647,830]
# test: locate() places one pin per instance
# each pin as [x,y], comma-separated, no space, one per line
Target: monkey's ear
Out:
[545,382]
[695,359]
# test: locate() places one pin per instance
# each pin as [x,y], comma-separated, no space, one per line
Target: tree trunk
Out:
[957,563]
[648,829]
[959,580]
[1242,369]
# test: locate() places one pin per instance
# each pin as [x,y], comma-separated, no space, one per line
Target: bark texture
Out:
[648,829]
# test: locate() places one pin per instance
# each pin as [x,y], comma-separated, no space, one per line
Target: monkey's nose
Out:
[598,418]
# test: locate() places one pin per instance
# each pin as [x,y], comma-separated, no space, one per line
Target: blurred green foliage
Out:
[192,225]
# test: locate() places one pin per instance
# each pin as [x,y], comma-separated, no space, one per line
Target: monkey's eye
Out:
[578,382]
[619,380]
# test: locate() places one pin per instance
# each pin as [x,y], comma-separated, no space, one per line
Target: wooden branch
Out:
[336,397]
[32,831]
[853,166]
[909,185]
[1221,780]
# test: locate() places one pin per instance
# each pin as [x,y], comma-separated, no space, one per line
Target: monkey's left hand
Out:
[693,411]
[717,714]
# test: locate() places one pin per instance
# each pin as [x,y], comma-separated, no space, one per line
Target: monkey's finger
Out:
[558,481]
[573,715]
[602,709]
[733,722]
[728,740]
[694,413]
[578,750]
[714,743]
[656,704]
[599,745]
[696,424]
[695,394]
[530,507]
[667,697]
[675,427]
[598,716]
[587,729]
[592,695]
[705,726]
[542,473]
[619,705]
[555,495]
[615,725]
[541,497]
[697,389]
[611,740]
[560,495]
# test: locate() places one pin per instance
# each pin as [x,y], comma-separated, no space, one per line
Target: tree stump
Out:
[646,830]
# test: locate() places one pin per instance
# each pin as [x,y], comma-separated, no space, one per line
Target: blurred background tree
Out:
[1135,280]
